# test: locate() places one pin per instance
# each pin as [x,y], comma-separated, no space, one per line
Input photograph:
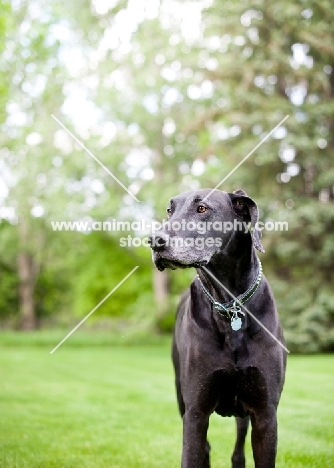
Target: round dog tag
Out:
[236,323]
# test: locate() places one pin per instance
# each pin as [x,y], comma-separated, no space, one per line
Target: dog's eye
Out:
[201,209]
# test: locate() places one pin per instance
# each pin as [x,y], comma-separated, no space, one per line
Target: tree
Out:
[267,60]
[171,115]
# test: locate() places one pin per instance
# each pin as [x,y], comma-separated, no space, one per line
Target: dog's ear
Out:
[246,207]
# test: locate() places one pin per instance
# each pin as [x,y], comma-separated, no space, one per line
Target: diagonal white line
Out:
[244,307]
[92,311]
[94,157]
[246,157]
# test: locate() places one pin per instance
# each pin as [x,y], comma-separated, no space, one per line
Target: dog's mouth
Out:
[162,263]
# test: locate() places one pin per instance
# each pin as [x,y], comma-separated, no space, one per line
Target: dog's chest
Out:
[239,391]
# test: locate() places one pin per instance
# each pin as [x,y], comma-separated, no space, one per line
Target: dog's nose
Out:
[157,241]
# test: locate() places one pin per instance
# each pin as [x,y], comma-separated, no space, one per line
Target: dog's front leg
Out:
[195,427]
[264,438]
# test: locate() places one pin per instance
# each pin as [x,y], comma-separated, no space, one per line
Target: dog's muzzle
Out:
[163,257]
[158,242]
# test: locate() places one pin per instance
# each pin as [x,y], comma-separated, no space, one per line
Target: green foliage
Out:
[167,115]
[8,274]
[5,12]
[303,277]
[53,278]
[101,266]
[271,59]
[165,319]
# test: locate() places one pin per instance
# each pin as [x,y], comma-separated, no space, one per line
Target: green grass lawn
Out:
[114,406]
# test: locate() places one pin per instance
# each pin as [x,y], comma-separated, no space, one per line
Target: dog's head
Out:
[201,224]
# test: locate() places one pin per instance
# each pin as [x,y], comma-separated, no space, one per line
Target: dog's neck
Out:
[235,272]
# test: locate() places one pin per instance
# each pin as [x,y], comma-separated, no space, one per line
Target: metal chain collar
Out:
[232,309]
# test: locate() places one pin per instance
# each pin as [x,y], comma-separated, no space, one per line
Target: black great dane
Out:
[224,359]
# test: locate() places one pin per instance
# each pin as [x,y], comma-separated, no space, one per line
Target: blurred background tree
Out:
[170,96]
